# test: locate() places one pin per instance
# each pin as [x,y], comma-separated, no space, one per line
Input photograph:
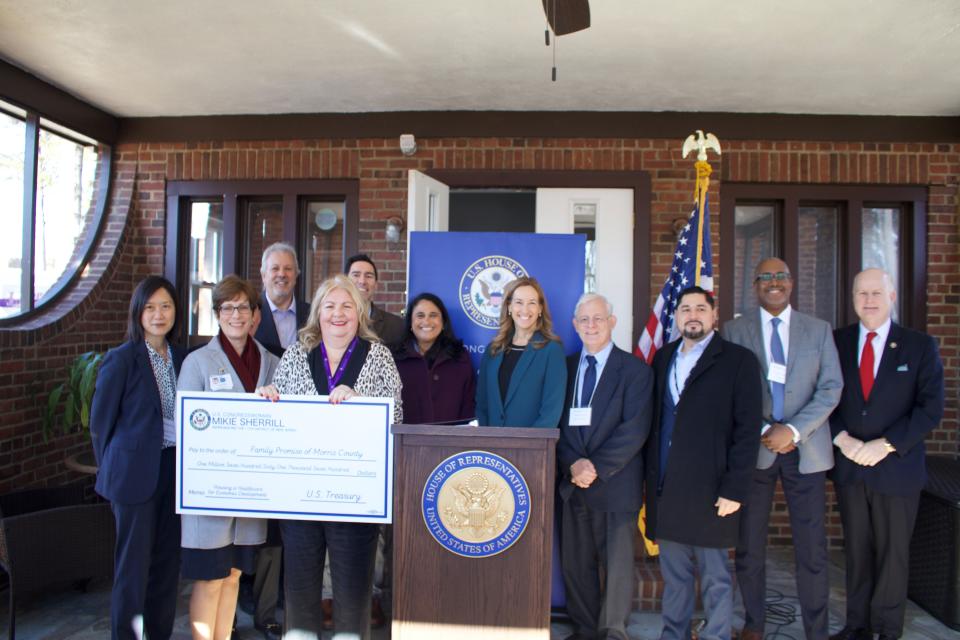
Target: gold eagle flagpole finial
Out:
[701,143]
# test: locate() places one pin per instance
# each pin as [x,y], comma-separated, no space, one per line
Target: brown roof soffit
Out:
[25,90]
[542,124]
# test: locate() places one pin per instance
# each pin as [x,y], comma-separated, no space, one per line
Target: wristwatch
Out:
[890,447]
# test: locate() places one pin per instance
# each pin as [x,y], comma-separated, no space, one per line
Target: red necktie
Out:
[866,366]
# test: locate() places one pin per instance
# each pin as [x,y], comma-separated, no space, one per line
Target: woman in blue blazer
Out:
[134,438]
[523,375]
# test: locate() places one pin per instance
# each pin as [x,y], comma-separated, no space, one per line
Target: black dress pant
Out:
[597,558]
[876,532]
[806,501]
[147,562]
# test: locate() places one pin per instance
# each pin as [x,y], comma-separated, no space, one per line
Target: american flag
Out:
[694,240]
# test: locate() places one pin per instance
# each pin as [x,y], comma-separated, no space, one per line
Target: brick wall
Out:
[32,361]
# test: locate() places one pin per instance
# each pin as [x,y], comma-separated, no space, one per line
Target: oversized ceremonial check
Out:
[300,458]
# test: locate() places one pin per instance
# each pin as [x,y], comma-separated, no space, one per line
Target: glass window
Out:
[12,138]
[206,264]
[815,274]
[52,238]
[585,222]
[880,245]
[263,222]
[65,183]
[754,229]
[323,253]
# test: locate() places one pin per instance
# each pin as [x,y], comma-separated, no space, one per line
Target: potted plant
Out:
[75,395]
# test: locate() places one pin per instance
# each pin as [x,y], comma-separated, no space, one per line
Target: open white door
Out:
[428,207]
[610,213]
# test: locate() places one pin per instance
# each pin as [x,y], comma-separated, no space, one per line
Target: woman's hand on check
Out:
[340,393]
[269,392]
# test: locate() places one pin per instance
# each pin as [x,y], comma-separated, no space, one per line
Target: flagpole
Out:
[700,194]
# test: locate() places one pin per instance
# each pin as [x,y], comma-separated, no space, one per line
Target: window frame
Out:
[789,198]
[30,309]
[180,193]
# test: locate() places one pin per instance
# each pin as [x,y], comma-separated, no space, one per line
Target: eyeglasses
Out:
[588,320]
[228,309]
[767,277]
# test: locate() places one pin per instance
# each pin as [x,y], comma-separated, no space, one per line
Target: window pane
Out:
[881,245]
[753,241]
[65,185]
[815,277]
[206,264]
[12,140]
[263,219]
[323,250]
[585,222]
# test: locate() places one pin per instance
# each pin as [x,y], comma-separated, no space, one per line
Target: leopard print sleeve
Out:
[292,376]
[379,377]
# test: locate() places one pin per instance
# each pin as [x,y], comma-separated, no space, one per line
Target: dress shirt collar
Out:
[697,349]
[601,355]
[766,316]
[274,308]
[882,332]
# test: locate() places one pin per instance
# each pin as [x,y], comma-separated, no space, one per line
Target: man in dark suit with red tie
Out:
[892,398]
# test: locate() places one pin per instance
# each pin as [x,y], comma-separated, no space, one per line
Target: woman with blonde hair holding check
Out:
[336,355]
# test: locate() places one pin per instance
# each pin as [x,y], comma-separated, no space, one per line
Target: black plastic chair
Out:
[50,537]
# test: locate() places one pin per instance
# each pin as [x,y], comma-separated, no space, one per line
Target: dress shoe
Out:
[751,634]
[852,634]
[377,617]
[270,630]
[326,606]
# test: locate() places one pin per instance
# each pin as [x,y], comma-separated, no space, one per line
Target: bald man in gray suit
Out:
[801,387]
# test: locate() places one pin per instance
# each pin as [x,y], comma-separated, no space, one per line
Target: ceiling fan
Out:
[567,16]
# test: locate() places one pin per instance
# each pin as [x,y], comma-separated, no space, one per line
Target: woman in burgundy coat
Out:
[439,381]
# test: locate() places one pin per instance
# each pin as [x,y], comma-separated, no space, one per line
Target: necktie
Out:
[866,365]
[589,382]
[776,354]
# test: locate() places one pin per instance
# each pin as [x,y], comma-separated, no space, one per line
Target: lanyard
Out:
[676,379]
[576,385]
[334,378]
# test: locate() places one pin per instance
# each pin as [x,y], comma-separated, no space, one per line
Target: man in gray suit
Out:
[802,386]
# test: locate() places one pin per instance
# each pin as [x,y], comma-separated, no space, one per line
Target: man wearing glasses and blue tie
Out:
[604,426]
[802,385]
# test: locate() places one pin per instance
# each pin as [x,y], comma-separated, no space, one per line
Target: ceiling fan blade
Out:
[567,16]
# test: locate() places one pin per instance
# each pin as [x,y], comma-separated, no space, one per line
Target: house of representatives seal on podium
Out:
[476,504]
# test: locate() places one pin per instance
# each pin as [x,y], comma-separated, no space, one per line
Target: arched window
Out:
[53,184]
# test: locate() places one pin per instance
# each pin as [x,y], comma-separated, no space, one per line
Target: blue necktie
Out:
[776,354]
[589,382]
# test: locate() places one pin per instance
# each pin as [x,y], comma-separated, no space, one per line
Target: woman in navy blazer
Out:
[131,425]
[523,374]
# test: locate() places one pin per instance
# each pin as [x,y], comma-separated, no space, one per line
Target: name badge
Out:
[580,416]
[777,373]
[221,382]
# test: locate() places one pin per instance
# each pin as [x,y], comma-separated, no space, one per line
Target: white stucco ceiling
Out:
[200,57]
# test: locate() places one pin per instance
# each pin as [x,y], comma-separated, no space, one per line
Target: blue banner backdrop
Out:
[469,271]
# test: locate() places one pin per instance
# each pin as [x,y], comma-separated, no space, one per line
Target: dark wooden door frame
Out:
[638,181]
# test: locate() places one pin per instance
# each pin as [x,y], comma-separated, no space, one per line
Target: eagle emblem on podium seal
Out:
[476,504]
[482,285]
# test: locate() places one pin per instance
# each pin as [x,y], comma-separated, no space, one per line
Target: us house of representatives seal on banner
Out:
[476,504]
[482,285]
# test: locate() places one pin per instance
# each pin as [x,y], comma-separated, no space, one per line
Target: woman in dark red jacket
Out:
[439,381]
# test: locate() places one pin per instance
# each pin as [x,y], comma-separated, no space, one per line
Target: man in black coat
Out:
[282,314]
[700,460]
[892,398]
[605,422]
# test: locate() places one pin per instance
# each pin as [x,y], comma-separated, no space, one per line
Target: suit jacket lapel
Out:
[797,337]
[606,385]
[518,372]
[493,381]
[888,359]
[572,366]
[705,362]
[755,331]
[847,348]
[146,370]
[267,325]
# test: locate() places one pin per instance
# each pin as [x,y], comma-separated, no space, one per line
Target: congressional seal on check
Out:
[300,458]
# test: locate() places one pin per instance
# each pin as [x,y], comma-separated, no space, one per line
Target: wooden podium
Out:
[438,593]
